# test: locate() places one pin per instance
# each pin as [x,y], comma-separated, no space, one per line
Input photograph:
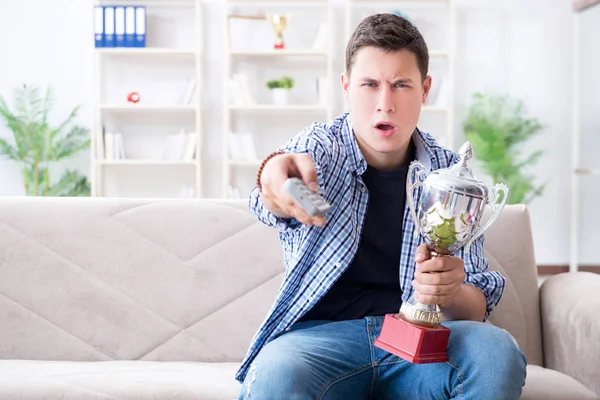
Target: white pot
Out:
[280,96]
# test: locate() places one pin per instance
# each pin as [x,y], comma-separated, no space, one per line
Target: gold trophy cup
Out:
[279,23]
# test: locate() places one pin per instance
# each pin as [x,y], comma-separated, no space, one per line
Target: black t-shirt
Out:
[371,285]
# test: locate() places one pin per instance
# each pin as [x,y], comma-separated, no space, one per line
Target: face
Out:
[385,92]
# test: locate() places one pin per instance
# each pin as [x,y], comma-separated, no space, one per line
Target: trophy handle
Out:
[415,170]
[496,208]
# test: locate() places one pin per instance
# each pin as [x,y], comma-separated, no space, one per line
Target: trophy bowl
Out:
[447,215]
[451,205]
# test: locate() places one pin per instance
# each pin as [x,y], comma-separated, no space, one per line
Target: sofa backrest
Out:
[188,280]
[509,249]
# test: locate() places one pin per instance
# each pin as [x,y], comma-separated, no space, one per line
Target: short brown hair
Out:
[391,33]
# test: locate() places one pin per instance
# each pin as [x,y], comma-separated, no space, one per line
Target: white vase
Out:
[280,96]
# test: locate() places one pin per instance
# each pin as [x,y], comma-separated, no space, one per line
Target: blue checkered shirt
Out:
[315,257]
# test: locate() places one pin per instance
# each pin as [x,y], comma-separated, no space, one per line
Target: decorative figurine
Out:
[133,97]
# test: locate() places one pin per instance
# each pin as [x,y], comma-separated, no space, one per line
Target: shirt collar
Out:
[358,163]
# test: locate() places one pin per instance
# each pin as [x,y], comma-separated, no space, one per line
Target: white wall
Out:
[521,47]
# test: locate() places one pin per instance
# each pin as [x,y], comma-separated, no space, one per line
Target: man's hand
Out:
[437,280]
[275,172]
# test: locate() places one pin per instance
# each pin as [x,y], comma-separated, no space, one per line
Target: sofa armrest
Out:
[570,309]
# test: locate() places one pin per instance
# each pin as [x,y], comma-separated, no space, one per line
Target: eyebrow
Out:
[401,80]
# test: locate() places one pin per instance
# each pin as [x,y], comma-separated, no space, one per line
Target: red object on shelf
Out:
[415,343]
[279,46]
[133,97]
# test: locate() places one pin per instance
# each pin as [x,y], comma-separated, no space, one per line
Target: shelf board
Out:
[146,162]
[587,171]
[272,107]
[580,5]
[148,107]
[279,2]
[404,2]
[131,51]
[282,52]
[148,3]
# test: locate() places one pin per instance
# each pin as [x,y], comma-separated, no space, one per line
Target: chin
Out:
[386,146]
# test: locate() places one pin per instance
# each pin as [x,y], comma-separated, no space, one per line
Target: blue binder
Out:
[109,26]
[120,26]
[129,26]
[140,26]
[99,26]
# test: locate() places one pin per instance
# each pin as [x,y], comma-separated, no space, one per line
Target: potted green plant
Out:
[280,89]
[497,127]
[37,145]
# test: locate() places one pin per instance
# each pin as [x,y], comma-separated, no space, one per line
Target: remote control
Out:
[314,204]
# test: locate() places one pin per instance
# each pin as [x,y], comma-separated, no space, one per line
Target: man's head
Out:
[385,83]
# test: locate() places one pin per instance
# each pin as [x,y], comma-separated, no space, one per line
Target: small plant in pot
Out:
[280,89]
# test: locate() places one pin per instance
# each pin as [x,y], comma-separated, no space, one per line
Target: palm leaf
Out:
[6,149]
[75,140]
[496,126]
[28,104]
[71,183]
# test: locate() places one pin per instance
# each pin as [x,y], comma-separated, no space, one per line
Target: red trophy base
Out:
[414,343]
[279,46]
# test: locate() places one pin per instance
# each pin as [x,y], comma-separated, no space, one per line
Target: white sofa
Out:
[158,299]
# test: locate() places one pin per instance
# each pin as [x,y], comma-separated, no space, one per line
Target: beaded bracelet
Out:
[262,165]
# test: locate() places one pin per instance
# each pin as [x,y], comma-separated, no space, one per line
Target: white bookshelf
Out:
[585,64]
[437,117]
[268,124]
[158,72]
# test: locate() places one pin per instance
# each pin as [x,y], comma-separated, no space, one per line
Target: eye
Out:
[369,84]
[401,85]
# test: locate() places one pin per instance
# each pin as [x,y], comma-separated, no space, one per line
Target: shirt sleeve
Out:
[311,141]
[491,283]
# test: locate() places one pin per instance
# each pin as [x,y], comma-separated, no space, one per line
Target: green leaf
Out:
[71,183]
[497,127]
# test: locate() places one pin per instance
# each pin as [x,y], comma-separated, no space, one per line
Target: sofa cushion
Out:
[66,380]
[547,384]
[140,380]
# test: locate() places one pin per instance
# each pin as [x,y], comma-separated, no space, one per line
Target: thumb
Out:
[306,169]
[422,253]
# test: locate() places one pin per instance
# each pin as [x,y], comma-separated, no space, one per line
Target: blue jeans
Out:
[337,360]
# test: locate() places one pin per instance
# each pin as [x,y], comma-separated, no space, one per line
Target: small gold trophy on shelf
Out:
[279,23]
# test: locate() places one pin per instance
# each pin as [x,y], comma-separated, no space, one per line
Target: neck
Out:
[387,161]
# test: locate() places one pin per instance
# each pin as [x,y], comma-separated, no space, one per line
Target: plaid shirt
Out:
[315,257]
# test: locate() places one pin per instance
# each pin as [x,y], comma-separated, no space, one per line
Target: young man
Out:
[345,272]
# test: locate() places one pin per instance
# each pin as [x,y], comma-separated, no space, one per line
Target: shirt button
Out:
[358,229]
[362,188]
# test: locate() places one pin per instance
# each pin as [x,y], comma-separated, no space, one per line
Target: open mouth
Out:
[385,127]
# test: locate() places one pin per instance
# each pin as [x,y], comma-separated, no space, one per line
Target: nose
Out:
[385,101]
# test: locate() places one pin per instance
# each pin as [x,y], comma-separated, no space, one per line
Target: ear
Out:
[345,81]
[426,88]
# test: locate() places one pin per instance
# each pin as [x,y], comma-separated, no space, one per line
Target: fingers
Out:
[436,264]
[436,278]
[275,172]
[435,294]
[306,170]
[422,253]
